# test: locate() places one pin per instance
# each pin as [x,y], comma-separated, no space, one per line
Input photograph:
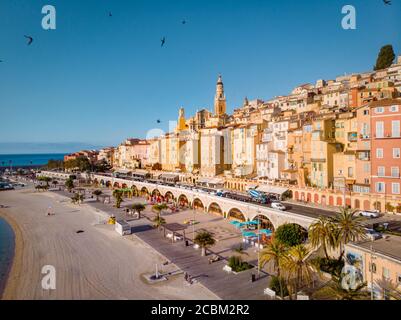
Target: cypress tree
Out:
[385,58]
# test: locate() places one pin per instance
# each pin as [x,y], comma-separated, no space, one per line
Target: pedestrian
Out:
[185,276]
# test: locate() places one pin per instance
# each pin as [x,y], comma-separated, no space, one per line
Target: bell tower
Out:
[219,99]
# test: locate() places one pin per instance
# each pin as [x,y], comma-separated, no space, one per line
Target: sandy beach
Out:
[95,264]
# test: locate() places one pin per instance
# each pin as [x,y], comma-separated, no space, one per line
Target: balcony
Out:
[352,137]
[320,160]
[364,136]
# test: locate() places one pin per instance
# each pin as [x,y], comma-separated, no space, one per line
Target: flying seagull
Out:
[158,121]
[387,2]
[30,39]
[163,41]
[110,14]
[183,21]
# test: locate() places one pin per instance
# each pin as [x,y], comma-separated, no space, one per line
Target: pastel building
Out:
[385,118]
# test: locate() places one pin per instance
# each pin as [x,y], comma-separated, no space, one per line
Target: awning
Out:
[123,171]
[272,189]
[211,180]
[169,176]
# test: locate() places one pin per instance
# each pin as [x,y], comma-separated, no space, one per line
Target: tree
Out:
[322,233]
[138,207]
[296,263]
[385,58]
[69,184]
[158,221]
[290,234]
[204,240]
[97,193]
[348,228]
[55,164]
[45,179]
[336,289]
[159,208]
[118,195]
[275,252]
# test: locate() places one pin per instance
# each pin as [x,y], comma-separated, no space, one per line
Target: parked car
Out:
[278,206]
[369,214]
[372,234]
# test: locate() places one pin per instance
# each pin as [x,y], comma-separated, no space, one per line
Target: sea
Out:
[18,160]
[7,244]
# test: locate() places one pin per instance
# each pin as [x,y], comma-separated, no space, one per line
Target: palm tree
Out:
[97,193]
[118,195]
[275,252]
[322,233]
[138,207]
[204,240]
[158,220]
[296,263]
[348,228]
[335,288]
[69,184]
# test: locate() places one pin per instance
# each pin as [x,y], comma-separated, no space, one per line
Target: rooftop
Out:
[390,247]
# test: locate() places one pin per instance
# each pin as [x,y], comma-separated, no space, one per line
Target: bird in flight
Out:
[163,41]
[30,40]
[158,121]
[110,14]
[387,2]
[183,21]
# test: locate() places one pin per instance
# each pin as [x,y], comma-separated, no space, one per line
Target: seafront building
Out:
[334,143]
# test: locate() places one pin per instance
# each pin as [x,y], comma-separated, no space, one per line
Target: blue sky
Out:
[99,79]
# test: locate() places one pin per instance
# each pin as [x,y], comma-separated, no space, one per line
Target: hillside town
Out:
[333,143]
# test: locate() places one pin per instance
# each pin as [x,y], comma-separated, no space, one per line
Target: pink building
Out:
[385,117]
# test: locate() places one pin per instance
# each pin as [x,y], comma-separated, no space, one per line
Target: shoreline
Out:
[11,282]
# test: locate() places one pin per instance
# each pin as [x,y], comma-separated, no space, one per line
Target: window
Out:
[379,153]
[379,129]
[365,112]
[379,110]
[372,267]
[395,188]
[395,172]
[380,187]
[394,108]
[396,153]
[366,167]
[381,171]
[395,128]
[399,278]
[350,172]
[366,180]
[386,273]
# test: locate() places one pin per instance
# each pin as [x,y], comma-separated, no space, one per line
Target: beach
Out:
[95,264]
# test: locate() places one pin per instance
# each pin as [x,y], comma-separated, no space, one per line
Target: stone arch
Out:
[156,193]
[198,204]
[303,196]
[339,201]
[124,186]
[215,209]
[377,205]
[169,196]
[348,202]
[309,197]
[331,201]
[116,185]
[265,222]
[183,200]
[366,205]
[316,198]
[357,204]
[144,191]
[108,184]
[296,195]
[236,214]
[135,191]
[102,183]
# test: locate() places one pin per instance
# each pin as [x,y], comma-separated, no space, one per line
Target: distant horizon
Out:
[24,148]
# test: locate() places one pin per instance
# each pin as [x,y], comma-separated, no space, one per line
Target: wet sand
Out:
[95,264]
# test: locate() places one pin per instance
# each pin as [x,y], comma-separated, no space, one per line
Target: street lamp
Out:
[371,272]
[193,220]
[258,217]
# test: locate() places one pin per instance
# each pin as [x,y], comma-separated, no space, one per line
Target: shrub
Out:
[331,266]
[237,265]
[290,234]
[275,286]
